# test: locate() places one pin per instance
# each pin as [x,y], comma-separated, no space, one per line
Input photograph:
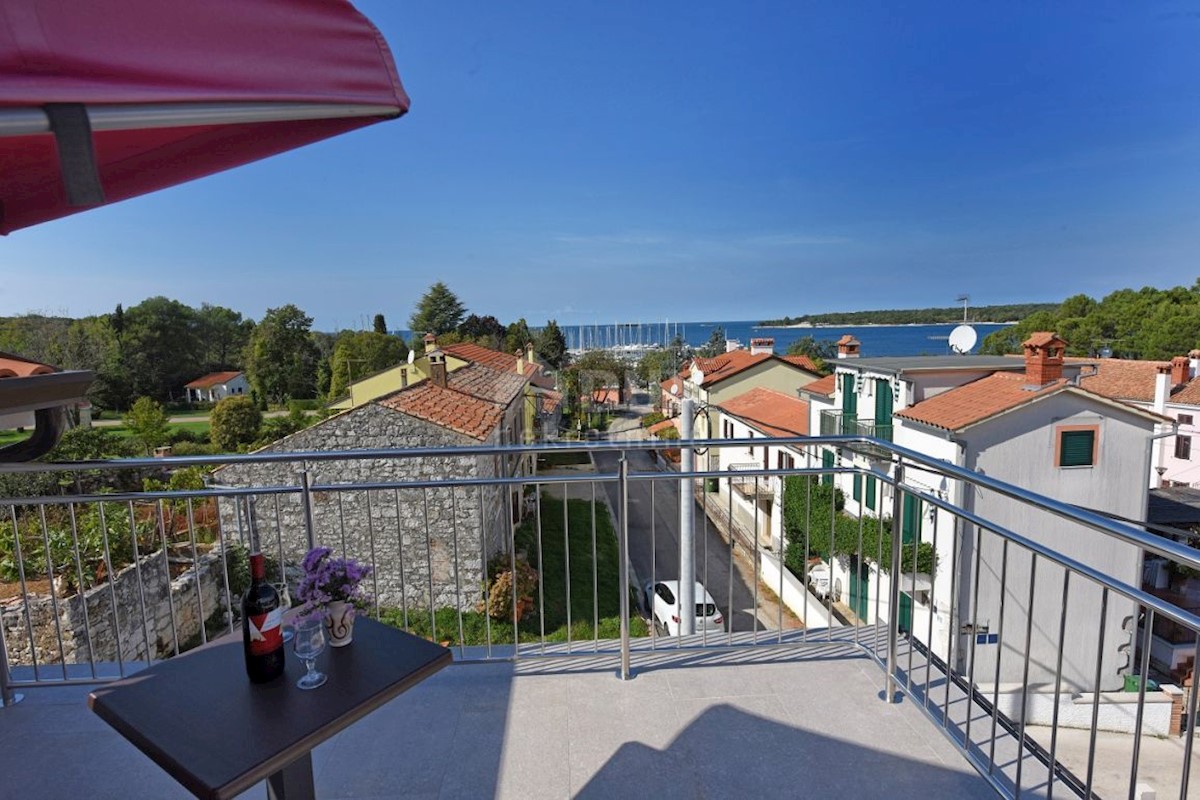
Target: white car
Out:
[662,600]
[818,579]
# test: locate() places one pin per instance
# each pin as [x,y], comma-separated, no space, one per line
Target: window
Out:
[858,487]
[1185,419]
[1183,447]
[1076,446]
[403,378]
[870,492]
[827,462]
[786,461]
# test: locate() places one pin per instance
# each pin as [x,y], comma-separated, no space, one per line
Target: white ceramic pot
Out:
[339,623]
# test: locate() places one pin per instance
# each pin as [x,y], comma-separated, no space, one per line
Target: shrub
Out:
[235,421]
[652,418]
[195,449]
[147,421]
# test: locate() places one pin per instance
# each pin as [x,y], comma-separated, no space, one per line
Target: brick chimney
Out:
[1043,358]
[1180,370]
[1194,363]
[764,345]
[848,346]
[437,365]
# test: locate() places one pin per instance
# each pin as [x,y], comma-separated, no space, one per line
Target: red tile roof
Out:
[1189,394]
[550,400]
[606,396]
[211,379]
[1043,338]
[976,401]
[770,411]
[495,359]
[662,426]
[12,366]
[726,365]
[1121,379]
[804,362]
[826,387]
[486,383]
[448,408]
[675,381]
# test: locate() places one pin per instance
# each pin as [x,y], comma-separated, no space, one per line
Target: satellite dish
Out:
[675,389]
[962,339]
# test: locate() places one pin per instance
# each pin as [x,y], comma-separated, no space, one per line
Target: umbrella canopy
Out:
[101,101]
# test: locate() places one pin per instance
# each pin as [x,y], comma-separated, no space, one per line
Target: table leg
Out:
[293,782]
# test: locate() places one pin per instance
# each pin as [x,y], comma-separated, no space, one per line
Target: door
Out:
[849,405]
[883,409]
[860,580]
[905,613]
[827,462]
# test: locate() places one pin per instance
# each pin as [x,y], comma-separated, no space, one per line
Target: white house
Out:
[216,386]
[1026,422]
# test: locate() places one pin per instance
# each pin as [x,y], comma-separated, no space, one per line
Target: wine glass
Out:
[309,643]
[285,602]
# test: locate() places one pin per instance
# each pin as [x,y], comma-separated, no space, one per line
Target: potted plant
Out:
[333,586]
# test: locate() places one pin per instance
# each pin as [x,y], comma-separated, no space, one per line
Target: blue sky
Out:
[608,161]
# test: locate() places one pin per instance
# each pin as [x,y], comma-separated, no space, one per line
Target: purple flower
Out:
[327,579]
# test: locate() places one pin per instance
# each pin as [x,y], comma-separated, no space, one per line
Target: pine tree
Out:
[438,311]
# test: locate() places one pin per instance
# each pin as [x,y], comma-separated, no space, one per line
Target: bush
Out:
[147,421]
[652,418]
[196,449]
[235,421]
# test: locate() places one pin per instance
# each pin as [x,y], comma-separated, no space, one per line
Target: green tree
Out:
[438,311]
[147,421]
[379,324]
[282,358]
[486,331]
[161,346]
[552,345]
[361,353]
[817,351]
[235,421]
[715,344]
[223,335]
[517,336]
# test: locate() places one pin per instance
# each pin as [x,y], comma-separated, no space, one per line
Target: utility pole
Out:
[687,526]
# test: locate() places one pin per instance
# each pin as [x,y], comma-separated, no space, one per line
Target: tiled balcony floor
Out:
[738,724]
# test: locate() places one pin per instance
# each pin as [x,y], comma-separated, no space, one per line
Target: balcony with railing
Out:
[999,672]
[835,422]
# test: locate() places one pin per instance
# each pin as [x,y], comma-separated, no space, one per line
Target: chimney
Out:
[529,354]
[1193,363]
[437,366]
[1180,370]
[760,346]
[430,342]
[1043,358]
[848,346]
[520,354]
[1162,387]
[731,345]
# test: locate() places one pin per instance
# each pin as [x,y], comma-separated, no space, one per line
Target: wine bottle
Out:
[262,625]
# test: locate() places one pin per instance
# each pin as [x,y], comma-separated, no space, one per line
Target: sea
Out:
[877,340]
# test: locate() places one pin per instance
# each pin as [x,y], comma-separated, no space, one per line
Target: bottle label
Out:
[266,632]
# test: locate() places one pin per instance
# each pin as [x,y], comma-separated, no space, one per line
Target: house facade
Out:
[1027,422]
[216,386]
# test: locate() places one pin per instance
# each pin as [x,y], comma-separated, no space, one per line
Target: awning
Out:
[101,102]
[921,582]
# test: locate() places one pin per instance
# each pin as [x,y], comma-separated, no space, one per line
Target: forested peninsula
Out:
[917,316]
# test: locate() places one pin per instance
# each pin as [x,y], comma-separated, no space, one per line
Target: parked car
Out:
[818,579]
[663,604]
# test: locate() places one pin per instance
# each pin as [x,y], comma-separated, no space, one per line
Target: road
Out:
[654,535]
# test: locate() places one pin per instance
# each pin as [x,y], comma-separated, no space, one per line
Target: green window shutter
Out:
[883,409]
[911,524]
[870,492]
[1075,448]
[827,462]
[858,487]
[849,398]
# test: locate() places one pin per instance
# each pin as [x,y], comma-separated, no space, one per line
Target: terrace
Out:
[876,705]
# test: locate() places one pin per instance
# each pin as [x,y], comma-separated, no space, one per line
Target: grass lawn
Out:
[198,428]
[553,595]
[12,437]
[551,460]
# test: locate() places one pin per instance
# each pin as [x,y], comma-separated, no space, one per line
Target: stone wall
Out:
[426,544]
[128,634]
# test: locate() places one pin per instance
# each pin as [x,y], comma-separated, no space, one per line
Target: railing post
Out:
[894,611]
[306,500]
[687,523]
[7,696]
[623,562]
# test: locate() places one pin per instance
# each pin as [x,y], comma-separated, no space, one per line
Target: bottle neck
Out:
[258,570]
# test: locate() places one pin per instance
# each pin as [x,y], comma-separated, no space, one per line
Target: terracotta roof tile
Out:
[459,412]
[770,411]
[212,379]
[663,425]
[1188,394]
[675,381]
[550,400]
[826,387]
[495,359]
[1042,338]
[486,383]
[804,362]
[977,401]
[12,366]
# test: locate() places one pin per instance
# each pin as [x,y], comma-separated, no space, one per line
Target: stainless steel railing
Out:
[1000,634]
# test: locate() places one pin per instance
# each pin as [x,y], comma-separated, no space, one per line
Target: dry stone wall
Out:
[174,611]
[429,545]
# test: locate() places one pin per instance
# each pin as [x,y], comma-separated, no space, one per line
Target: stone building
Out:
[430,544]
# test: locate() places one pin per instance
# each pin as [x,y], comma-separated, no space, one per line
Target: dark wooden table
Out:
[200,719]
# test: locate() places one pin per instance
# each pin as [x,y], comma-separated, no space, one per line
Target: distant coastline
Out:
[979,315]
[822,325]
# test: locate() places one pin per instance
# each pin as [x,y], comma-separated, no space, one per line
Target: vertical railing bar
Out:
[137,569]
[112,596]
[483,567]
[462,646]
[951,627]
[191,514]
[623,559]
[310,525]
[832,544]
[566,556]
[595,580]
[999,654]
[250,543]
[537,489]
[1190,722]
[512,559]
[755,562]
[704,559]
[894,594]
[878,560]
[1062,643]
[279,543]
[400,555]
[653,567]
[1141,709]
[371,547]
[162,528]
[62,650]
[83,589]
[808,482]
[428,565]
[1025,672]
[732,536]
[912,633]
[932,601]
[342,521]
[25,589]
[974,637]
[7,696]
[678,594]
[783,548]
[860,556]
[1091,767]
